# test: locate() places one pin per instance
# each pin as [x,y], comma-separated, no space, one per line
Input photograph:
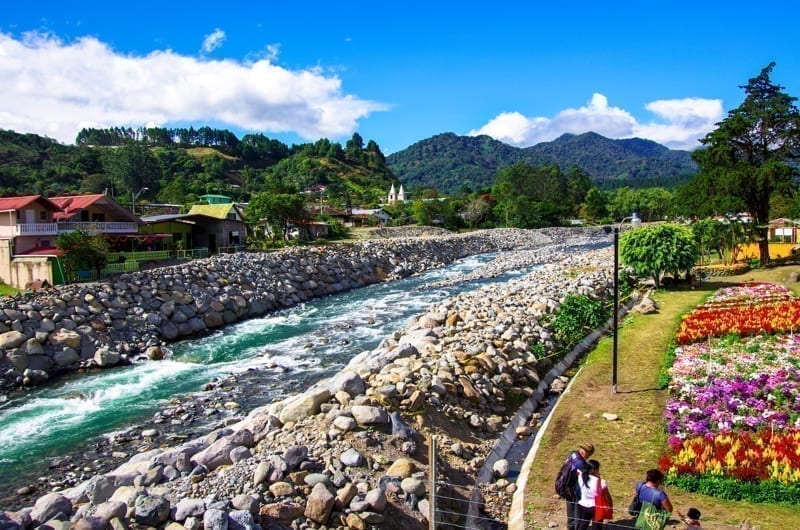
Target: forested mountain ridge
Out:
[449,162]
[178,165]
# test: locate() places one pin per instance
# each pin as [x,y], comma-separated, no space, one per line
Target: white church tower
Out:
[395,196]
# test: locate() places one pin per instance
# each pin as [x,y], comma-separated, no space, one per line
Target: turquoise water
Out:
[299,346]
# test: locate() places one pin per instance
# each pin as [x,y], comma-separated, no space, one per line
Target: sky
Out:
[394,72]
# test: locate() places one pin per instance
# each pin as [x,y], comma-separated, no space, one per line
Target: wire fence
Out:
[452,502]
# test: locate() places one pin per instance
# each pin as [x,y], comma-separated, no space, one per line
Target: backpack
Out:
[566,479]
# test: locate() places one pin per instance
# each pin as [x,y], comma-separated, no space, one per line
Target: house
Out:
[368,217]
[783,230]
[95,214]
[217,226]
[30,225]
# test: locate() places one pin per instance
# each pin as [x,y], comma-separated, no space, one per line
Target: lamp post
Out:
[635,221]
[136,196]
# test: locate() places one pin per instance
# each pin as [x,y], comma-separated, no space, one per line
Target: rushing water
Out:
[290,349]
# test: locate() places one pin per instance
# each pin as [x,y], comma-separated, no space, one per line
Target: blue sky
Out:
[397,73]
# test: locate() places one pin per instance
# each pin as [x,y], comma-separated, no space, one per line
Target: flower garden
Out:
[733,415]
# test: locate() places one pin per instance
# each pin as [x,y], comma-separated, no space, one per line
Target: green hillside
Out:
[179,165]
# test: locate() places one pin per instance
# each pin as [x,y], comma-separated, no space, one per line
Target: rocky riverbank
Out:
[133,316]
[352,451]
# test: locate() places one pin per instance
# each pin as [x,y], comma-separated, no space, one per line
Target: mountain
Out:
[447,161]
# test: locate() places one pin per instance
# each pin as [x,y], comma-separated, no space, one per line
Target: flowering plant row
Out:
[734,385]
[742,320]
[744,456]
[749,293]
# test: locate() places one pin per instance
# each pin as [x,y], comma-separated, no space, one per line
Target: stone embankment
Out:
[351,451]
[133,316]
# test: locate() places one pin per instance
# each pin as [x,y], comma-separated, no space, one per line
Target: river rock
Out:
[319,504]
[49,506]
[261,473]
[215,519]
[349,381]
[12,339]
[306,405]
[217,454]
[369,415]
[402,467]
[281,489]
[151,510]
[66,357]
[99,489]
[351,458]
[111,510]
[104,357]
[188,507]
[280,512]
[376,499]
[500,468]
[65,338]
[413,486]
[241,520]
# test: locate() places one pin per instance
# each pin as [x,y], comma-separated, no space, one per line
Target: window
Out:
[44,243]
[43,215]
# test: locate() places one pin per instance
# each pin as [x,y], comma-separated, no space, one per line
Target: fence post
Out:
[432,487]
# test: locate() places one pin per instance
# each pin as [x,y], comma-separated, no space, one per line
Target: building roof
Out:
[217,211]
[150,219]
[72,204]
[43,251]
[9,204]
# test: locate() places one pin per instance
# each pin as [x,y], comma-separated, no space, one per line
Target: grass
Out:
[7,290]
[629,446]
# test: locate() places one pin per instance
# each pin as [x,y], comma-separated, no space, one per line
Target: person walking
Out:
[592,505]
[578,464]
[655,504]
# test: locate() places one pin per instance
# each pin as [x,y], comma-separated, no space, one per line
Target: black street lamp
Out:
[635,221]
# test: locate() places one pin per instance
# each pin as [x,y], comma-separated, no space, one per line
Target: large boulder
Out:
[305,405]
[50,506]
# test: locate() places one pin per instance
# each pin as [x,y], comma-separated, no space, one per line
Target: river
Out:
[284,351]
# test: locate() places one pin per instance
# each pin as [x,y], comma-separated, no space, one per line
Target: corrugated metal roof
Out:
[17,203]
[217,211]
[72,204]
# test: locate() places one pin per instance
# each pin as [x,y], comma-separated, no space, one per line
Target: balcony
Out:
[29,229]
[99,228]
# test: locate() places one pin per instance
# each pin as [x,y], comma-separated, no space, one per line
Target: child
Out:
[692,519]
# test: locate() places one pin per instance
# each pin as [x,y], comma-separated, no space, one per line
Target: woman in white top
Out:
[588,483]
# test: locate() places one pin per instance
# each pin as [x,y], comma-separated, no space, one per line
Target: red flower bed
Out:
[742,320]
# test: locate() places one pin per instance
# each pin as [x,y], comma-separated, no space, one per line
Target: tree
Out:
[83,250]
[278,210]
[596,205]
[476,210]
[751,153]
[132,166]
[722,237]
[656,249]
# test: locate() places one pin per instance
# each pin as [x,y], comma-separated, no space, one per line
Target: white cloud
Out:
[55,89]
[681,123]
[213,40]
